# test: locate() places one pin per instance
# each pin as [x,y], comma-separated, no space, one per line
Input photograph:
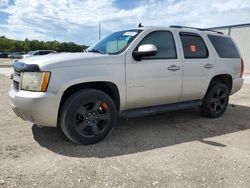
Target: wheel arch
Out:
[226,79]
[107,87]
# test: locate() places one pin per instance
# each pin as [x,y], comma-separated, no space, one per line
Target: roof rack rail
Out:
[178,26]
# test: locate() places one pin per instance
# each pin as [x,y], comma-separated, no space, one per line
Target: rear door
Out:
[198,66]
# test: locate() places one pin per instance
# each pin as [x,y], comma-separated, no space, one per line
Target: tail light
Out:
[241,67]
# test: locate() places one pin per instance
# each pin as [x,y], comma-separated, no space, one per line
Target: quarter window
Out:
[164,42]
[193,46]
[224,46]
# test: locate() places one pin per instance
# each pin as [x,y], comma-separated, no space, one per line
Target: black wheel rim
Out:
[218,101]
[92,118]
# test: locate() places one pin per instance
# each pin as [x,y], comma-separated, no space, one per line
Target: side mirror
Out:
[145,50]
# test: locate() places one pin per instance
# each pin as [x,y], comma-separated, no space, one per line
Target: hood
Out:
[61,59]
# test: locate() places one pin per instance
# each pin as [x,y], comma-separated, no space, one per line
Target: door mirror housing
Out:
[145,50]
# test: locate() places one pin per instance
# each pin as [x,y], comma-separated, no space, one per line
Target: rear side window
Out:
[164,42]
[193,46]
[224,46]
[44,52]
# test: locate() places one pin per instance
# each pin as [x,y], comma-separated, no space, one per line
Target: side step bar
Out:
[140,112]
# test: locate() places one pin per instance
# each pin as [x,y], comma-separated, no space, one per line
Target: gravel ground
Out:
[6,61]
[6,71]
[178,149]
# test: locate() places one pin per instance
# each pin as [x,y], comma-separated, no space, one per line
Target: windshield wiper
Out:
[95,51]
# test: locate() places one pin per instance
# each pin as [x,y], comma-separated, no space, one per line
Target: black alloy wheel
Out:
[92,118]
[88,116]
[216,100]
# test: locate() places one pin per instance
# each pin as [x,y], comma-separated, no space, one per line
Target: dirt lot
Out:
[6,61]
[179,149]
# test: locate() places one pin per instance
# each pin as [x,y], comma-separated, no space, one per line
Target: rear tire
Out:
[216,100]
[88,116]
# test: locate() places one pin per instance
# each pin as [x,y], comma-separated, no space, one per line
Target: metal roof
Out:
[227,26]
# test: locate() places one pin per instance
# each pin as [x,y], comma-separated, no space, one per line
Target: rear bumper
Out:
[237,85]
[40,108]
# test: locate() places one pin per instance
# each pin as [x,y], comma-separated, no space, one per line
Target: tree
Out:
[9,45]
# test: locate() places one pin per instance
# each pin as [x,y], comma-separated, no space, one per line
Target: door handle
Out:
[208,66]
[174,68]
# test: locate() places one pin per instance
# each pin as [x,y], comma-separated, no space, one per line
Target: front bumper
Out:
[40,108]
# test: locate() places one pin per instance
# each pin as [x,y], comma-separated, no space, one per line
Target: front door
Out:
[154,80]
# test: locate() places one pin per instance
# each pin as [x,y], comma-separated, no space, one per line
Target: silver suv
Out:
[136,72]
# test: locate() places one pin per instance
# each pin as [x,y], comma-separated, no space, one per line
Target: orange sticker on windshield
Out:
[193,48]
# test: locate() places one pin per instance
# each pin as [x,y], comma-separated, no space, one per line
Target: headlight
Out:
[35,81]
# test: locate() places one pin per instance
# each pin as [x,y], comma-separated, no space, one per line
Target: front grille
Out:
[16,79]
[18,73]
[16,85]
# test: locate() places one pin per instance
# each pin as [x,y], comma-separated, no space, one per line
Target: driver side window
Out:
[164,42]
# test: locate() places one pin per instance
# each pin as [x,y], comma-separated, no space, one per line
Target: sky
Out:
[78,20]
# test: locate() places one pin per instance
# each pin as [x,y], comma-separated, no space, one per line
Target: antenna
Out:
[140,25]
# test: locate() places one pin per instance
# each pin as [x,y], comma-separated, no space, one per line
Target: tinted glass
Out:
[224,46]
[193,46]
[164,42]
[46,52]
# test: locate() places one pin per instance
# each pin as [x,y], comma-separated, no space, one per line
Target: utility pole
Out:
[100,31]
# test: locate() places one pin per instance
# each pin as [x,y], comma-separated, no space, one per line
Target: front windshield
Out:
[115,43]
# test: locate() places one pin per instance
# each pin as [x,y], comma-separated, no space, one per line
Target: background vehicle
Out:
[4,55]
[38,52]
[16,55]
[130,73]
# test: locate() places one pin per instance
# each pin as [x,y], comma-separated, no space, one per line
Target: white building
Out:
[241,35]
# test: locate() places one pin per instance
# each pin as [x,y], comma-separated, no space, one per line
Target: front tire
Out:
[88,116]
[216,100]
